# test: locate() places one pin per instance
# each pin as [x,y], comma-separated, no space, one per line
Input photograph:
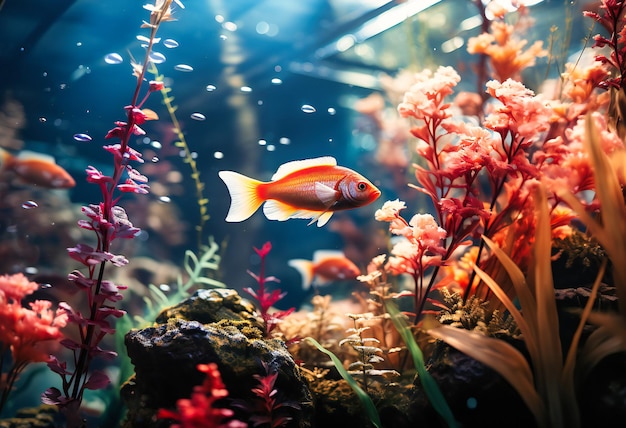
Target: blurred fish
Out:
[326,266]
[37,169]
[310,188]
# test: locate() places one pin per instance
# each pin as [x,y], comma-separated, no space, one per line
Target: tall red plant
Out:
[267,298]
[109,222]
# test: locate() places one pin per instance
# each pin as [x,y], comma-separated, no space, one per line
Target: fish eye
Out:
[361,186]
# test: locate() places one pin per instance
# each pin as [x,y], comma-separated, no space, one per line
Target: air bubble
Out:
[218,155]
[276,81]
[165,199]
[45,285]
[308,108]
[83,138]
[165,288]
[43,119]
[246,89]
[183,67]
[155,159]
[332,111]
[198,116]
[210,88]
[157,57]
[156,144]
[29,205]
[170,43]
[284,140]
[113,58]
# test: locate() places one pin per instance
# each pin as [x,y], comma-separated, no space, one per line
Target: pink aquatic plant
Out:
[26,333]
[109,222]
[265,298]
[421,250]
[200,410]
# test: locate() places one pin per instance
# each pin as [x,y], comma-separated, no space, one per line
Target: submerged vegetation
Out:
[527,192]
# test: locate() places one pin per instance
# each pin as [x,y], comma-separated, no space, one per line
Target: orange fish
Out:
[37,169]
[326,266]
[310,188]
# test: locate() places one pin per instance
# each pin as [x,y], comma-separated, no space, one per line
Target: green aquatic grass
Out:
[431,388]
[365,399]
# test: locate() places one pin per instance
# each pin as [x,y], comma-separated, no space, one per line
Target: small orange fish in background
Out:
[326,266]
[37,169]
[310,188]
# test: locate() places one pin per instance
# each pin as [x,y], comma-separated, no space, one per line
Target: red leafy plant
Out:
[199,410]
[267,299]
[267,406]
[26,333]
[109,222]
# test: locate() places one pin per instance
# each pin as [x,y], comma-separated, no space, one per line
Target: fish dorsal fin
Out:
[321,255]
[28,155]
[327,195]
[293,166]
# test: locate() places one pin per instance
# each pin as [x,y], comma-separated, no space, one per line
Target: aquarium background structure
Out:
[248,85]
[325,54]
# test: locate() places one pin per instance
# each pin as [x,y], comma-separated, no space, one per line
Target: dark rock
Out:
[476,394]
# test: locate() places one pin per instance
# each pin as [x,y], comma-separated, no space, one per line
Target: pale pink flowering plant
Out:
[421,250]
[109,222]
[456,157]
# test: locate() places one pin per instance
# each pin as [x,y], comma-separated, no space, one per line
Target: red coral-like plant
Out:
[109,222]
[613,21]
[266,298]
[198,411]
[25,333]
[267,408]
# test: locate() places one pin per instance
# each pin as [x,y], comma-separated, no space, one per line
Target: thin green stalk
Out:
[431,388]
[365,399]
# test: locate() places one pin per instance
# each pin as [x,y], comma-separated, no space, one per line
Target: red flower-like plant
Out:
[109,222]
[198,411]
[26,333]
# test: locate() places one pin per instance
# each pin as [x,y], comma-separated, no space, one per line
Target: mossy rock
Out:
[32,417]
[166,356]
[212,305]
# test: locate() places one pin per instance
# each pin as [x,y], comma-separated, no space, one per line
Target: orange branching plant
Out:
[506,52]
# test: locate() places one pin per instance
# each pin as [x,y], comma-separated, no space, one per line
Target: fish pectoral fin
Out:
[275,210]
[321,219]
[326,194]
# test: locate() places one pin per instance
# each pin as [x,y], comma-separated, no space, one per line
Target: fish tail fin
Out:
[245,199]
[305,267]
[7,160]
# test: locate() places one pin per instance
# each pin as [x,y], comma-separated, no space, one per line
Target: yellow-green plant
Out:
[188,157]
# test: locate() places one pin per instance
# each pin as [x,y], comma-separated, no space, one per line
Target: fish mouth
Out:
[376,194]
